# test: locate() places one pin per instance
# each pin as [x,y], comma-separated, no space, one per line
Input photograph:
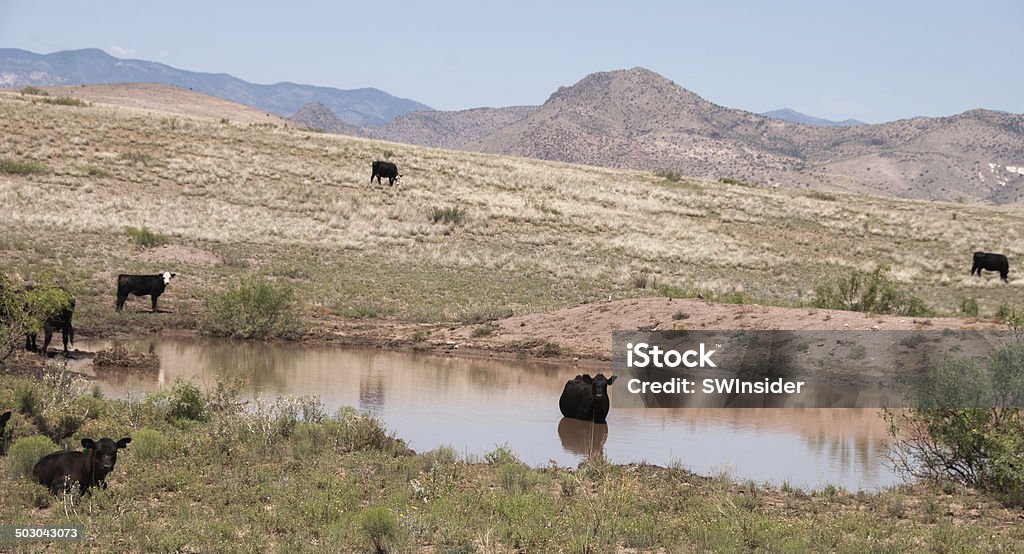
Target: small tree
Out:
[965,424]
[24,311]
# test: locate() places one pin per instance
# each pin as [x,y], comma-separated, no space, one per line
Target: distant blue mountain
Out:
[787,114]
[365,106]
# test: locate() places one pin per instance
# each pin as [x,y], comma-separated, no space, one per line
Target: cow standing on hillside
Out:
[386,170]
[990,262]
[142,285]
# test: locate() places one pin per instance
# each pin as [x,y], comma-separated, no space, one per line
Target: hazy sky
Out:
[869,60]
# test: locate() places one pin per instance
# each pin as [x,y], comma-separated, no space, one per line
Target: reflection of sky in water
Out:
[476,405]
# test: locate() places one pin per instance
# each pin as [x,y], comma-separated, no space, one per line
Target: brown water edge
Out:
[475,405]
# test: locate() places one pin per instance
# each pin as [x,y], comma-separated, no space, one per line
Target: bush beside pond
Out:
[255,309]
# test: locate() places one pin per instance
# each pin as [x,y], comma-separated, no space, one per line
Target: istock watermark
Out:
[818,369]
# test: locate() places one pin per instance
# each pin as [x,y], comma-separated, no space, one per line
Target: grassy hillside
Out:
[465,237]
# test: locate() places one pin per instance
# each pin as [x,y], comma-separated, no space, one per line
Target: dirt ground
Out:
[584,333]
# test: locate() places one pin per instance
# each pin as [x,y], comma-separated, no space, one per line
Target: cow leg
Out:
[120,302]
[47,337]
[64,338]
[154,297]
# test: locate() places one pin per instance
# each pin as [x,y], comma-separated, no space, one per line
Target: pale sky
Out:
[870,60]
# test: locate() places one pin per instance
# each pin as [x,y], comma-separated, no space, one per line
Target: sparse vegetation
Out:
[64,101]
[738,182]
[16,167]
[238,202]
[255,309]
[874,292]
[969,307]
[34,91]
[144,237]
[669,175]
[449,214]
[251,477]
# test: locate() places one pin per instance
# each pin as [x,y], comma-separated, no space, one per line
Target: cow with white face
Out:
[142,285]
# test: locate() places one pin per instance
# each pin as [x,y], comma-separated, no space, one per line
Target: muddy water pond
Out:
[475,405]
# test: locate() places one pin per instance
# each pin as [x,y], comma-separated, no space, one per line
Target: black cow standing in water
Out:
[586,397]
[61,470]
[990,262]
[386,170]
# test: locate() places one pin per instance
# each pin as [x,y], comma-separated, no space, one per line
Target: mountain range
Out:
[638,119]
[633,119]
[365,106]
[787,114]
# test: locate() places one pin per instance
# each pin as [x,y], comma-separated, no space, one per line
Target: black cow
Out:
[586,397]
[386,170]
[4,417]
[990,262]
[59,321]
[142,285]
[61,470]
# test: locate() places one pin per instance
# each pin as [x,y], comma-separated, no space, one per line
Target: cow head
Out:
[167,277]
[3,422]
[104,452]
[599,385]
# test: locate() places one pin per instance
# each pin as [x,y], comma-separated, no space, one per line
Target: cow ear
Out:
[612,379]
[123,443]
[586,378]
[88,444]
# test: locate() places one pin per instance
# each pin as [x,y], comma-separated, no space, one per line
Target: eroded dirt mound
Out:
[586,330]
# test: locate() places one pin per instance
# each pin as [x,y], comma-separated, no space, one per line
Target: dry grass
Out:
[532,235]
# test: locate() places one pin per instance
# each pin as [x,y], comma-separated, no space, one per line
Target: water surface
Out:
[477,405]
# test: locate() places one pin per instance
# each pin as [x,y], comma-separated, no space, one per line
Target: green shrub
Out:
[144,237]
[65,101]
[643,278]
[669,175]
[969,307]
[731,181]
[35,91]
[257,309]
[380,526]
[874,292]
[15,167]
[483,330]
[965,424]
[450,214]
[25,452]
[187,403]
[25,311]
[149,444]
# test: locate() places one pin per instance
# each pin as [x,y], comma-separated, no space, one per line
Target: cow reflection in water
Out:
[582,437]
